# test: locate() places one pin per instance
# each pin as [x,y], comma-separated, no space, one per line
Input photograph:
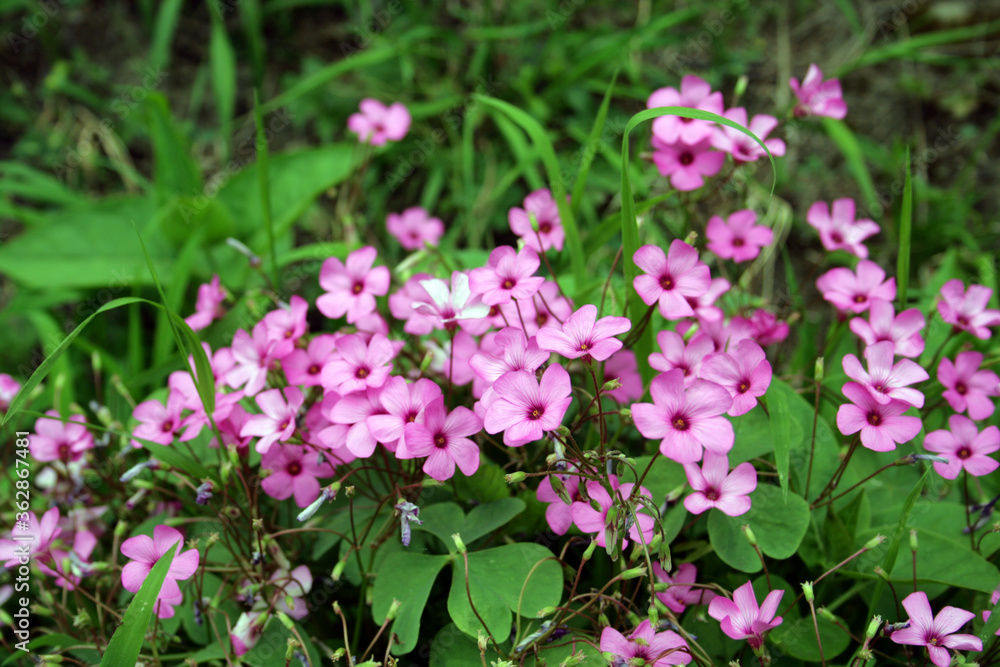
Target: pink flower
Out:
[295,585]
[277,424]
[145,551]
[508,275]
[583,335]
[448,309]
[676,354]
[547,223]
[69,567]
[883,324]
[248,629]
[704,305]
[853,292]
[159,423]
[766,328]
[884,380]
[686,420]
[589,520]
[714,486]
[401,304]
[745,373]
[403,404]
[350,430]
[742,147]
[622,366]
[680,593]
[351,287]
[209,305]
[377,123]
[882,425]
[43,533]
[454,365]
[687,165]
[442,438]
[818,97]
[695,93]
[8,390]
[559,514]
[288,322]
[840,231]
[524,408]
[937,633]
[966,310]
[304,367]
[737,238]
[254,358]
[671,278]
[414,227]
[646,647]
[519,354]
[294,470]
[964,447]
[967,387]
[360,364]
[741,618]
[55,440]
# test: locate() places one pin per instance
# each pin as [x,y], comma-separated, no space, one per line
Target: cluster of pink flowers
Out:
[61,546]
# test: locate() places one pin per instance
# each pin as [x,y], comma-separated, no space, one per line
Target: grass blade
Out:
[125,645]
[905,230]
[849,146]
[590,148]
[222,60]
[548,156]
[163,33]
[264,182]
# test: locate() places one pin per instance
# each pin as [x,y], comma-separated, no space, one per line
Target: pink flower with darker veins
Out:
[43,533]
[305,367]
[443,438]
[519,354]
[882,425]
[741,618]
[967,387]
[741,146]
[964,447]
[687,165]
[448,308]
[145,552]
[361,365]
[294,471]
[351,287]
[508,275]
[853,292]
[55,440]
[688,357]
[883,324]
[403,404]
[745,373]
[208,308]
[590,520]
[8,390]
[159,423]
[839,230]
[414,227]
[936,633]
[688,421]
[254,357]
[966,310]
[645,646]
[623,367]
[377,123]
[582,335]
[547,223]
[818,97]
[671,278]
[884,380]
[680,593]
[695,93]
[559,514]
[714,486]
[524,408]
[277,424]
[738,237]
[766,328]
[350,431]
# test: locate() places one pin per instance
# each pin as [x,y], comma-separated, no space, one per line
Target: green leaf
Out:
[222,60]
[163,33]
[752,437]
[125,645]
[446,519]
[442,520]
[849,146]
[182,216]
[500,585]
[778,523]
[547,153]
[905,229]
[779,398]
[408,578]
[589,148]
[174,170]
[797,638]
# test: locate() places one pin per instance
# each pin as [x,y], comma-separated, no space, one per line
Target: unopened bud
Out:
[611,385]
[874,542]
[827,614]
[881,573]
[807,591]
[546,611]
[425,363]
[634,573]
[818,370]
[285,621]
[741,85]
[459,544]
[751,538]
[625,413]
[913,539]
[560,489]
[873,627]
[590,550]
[691,238]
[515,477]
[481,639]
[393,609]
[338,570]
[654,615]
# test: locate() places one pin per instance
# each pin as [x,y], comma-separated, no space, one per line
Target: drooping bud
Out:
[329,493]
[204,493]
[407,512]
[874,542]
[634,573]
[134,471]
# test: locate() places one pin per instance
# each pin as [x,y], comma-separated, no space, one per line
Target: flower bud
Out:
[481,639]
[459,544]
[590,550]
[807,591]
[913,540]
[873,626]
[611,385]
[654,615]
[818,370]
[546,611]
[625,413]
[515,477]
[338,570]
[874,542]
[285,621]
[691,238]
[751,538]
[827,614]
[393,609]
[634,573]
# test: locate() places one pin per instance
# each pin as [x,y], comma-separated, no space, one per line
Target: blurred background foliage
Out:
[114,113]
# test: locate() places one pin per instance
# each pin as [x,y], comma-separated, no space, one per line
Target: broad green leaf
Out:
[779,525]
[499,583]
[797,638]
[752,437]
[182,216]
[408,578]
[125,645]
[446,519]
[89,245]
[442,520]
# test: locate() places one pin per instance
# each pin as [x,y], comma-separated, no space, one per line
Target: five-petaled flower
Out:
[937,633]
[964,447]
[671,278]
[351,287]
[741,618]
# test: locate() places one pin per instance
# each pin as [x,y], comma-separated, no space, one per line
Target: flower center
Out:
[294,468]
[874,418]
[860,298]
[545,227]
[685,158]
[284,425]
[289,333]
[964,453]
[963,321]
[64,451]
[440,441]
[509,284]
[881,388]
[961,388]
[667,282]
[168,425]
[358,288]
[361,373]
[542,318]
[584,346]
[836,237]
[536,414]
[738,243]
[681,424]
[743,387]
[711,494]
[313,369]
[494,311]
